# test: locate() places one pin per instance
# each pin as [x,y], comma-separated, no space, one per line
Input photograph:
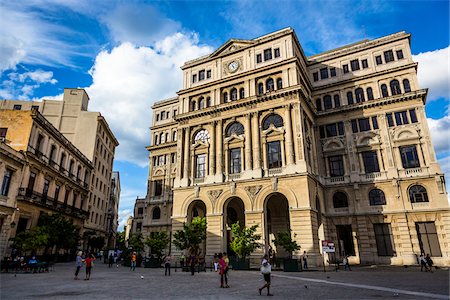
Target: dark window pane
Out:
[340,200]
[258,58]
[378,60]
[412,114]
[388,56]
[208,74]
[319,104]
[395,87]
[332,72]
[349,97]
[409,156]
[279,84]
[276,52]
[241,93]
[364,124]
[369,93]
[383,238]
[274,119]
[200,166]
[336,164]
[235,161]
[399,54]
[235,128]
[354,126]
[324,73]
[376,197]
[158,187]
[364,63]
[267,54]
[406,86]
[341,128]
[428,239]
[390,119]
[354,65]
[345,68]
[322,132]
[337,101]
[384,91]
[331,130]
[327,103]
[274,155]
[201,75]
[374,122]
[370,160]
[359,93]
[316,76]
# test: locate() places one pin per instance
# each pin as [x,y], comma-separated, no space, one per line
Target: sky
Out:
[127,55]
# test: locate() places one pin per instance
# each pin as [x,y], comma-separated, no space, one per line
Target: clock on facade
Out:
[233,66]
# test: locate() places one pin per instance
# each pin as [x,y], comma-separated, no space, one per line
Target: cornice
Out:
[161,146]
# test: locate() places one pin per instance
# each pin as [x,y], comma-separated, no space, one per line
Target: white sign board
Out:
[328,246]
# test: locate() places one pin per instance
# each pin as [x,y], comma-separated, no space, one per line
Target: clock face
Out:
[233,66]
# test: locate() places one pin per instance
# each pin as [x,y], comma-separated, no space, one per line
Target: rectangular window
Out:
[388,56]
[327,103]
[201,75]
[354,126]
[378,60]
[235,161]
[161,160]
[322,132]
[208,74]
[194,78]
[354,64]
[370,160]
[332,72]
[56,195]
[341,128]
[413,116]
[409,156]
[6,182]
[140,211]
[374,122]
[17,107]
[258,58]
[316,76]
[399,54]
[324,73]
[383,238]
[331,130]
[276,52]
[390,119]
[428,238]
[3,132]
[267,54]
[364,124]
[364,63]
[401,117]
[345,68]
[158,187]
[336,165]
[200,166]
[274,154]
[35,107]
[345,240]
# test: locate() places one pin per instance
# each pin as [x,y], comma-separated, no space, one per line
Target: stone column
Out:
[180,160]
[187,142]
[219,157]
[256,142]
[288,126]
[212,149]
[248,143]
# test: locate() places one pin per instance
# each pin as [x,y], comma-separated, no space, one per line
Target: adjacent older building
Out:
[334,146]
[113,210]
[41,171]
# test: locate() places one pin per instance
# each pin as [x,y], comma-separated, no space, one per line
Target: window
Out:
[324,73]
[241,93]
[52,153]
[270,85]
[140,211]
[349,97]
[345,68]
[413,116]
[163,115]
[161,160]
[34,107]
[225,97]
[208,102]
[359,93]
[354,64]
[56,195]
[39,142]
[208,74]
[279,84]
[258,58]
[234,94]
[364,124]
[194,78]
[406,86]
[384,90]
[174,136]
[201,75]
[235,128]
[260,88]
[331,130]
[62,162]
[200,166]
[370,160]
[340,200]
[156,215]
[417,194]
[267,54]
[336,165]
[272,119]
[399,54]
[158,187]
[428,238]
[332,72]
[201,136]
[378,60]
[388,56]
[274,155]
[235,161]
[409,156]
[369,93]
[276,52]
[395,87]
[383,238]
[157,117]
[364,63]
[337,101]
[316,76]
[319,104]
[374,122]
[17,107]
[6,182]
[327,103]
[401,117]
[3,132]
[71,163]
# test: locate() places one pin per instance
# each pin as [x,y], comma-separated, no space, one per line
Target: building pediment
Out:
[230,46]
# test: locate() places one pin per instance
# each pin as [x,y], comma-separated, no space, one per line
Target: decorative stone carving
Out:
[233,188]
[196,191]
[274,184]
[252,191]
[213,195]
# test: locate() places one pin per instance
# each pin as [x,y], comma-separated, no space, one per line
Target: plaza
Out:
[121,283]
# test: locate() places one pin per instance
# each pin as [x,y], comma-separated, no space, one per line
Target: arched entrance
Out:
[276,212]
[233,211]
[197,209]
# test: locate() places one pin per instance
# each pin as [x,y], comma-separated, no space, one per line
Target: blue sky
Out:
[127,54]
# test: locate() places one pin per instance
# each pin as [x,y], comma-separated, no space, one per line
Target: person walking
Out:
[89,262]
[266,270]
[429,262]
[346,263]
[133,261]
[216,262]
[110,260]
[305,260]
[78,264]
[423,262]
[223,268]
[167,261]
[192,262]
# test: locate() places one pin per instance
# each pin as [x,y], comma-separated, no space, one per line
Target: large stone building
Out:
[333,146]
[90,133]
[41,172]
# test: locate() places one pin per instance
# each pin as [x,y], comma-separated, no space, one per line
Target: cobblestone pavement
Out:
[121,283]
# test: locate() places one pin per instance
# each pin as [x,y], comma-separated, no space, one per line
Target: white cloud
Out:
[126,82]
[123,217]
[22,85]
[434,72]
[440,133]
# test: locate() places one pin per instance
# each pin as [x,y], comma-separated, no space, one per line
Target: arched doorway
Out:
[276,212]
[197,209]
[233,211]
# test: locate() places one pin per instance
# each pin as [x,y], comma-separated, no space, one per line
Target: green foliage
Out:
[157,243]
[284,239]
[245,241]
[121,240]
[191,236]
[31,240]
[96,242]
[136,242]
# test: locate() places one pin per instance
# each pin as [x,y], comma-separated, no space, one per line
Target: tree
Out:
[157,243]
[284,239]
[31,240]
[245,241]
[96,242]
[136,242]
[191,236]
[121,240]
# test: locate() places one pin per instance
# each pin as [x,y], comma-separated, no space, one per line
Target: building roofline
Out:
[163,102]
[102,119]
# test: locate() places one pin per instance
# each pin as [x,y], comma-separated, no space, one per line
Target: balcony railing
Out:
[275,171]
[199,180]
[234,176]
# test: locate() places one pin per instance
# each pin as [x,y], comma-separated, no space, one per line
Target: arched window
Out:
[201,103]
[337,101]
[241,93]
[270,85]
[395,87]
[225,97]
[279,84]
[418,193]
[201,135]
[193,105]
[208,101]
[161,138]
[234,94]
[340,200]
[274,119]
[156,139]
[376,197]
[369,93]
[174,136]
[260,88]
[234,128]
[319,104]
[349,97]
[406,85]
[327,104]
[156,215]
[359,93]
[167,137]
[384,90]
